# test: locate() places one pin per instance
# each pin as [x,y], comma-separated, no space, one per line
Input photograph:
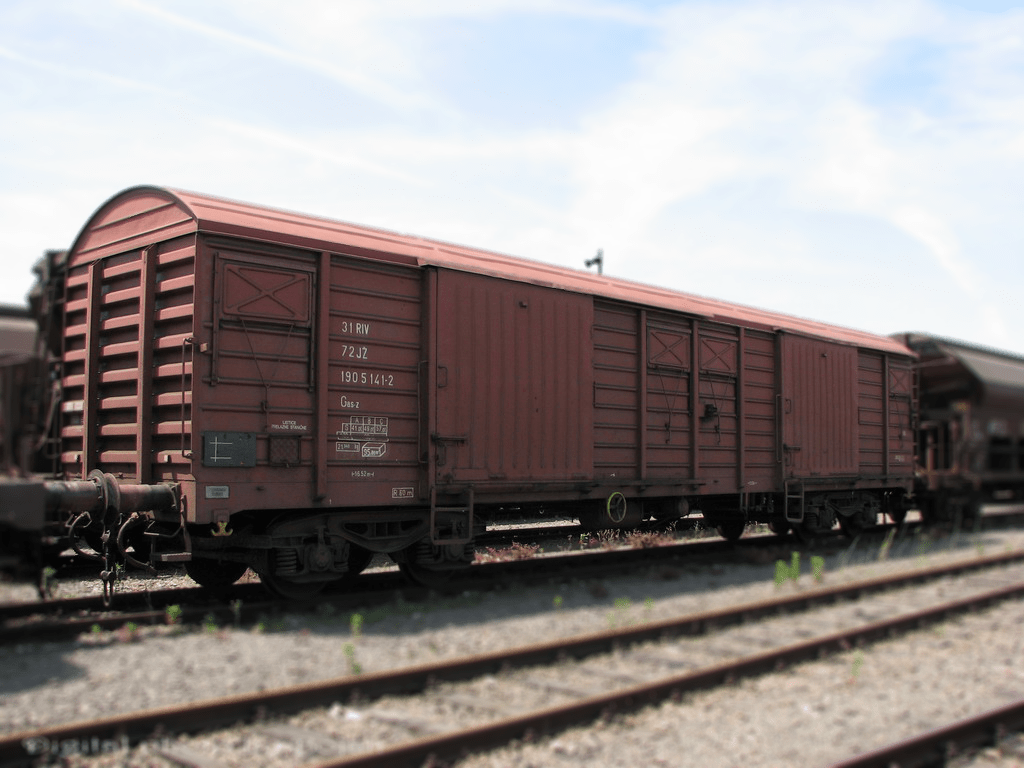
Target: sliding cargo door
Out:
[514,383]
[819,408]
[371,349]
[716,412]
[884,396]
[314,381]
[260,404]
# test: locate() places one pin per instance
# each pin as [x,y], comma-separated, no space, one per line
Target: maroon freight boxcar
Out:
[971,431]
[313,391]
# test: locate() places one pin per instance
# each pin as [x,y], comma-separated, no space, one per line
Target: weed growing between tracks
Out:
[264,625]
[129,633]
[620,616]
[48,583]
[787,571]
[210,624]
[649,539]
[791,571]
[514,551]
[354,667]
[355,624]
[883,552]
[858,662]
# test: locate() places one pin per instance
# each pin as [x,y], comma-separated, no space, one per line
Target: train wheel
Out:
[670,510]
[94,541]
[214,575]
[290,589]
[807,536]
[851,526]
[967,512]
[779,526]
[359,559]
[143,547]
[731,530]
[426,577]
[809,532]
[615,512]
[894,506]
[591,519]
[929,509]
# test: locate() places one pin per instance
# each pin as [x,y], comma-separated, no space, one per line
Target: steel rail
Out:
[935,747]
[547,721]
[368,590]
[132,600]
[588,562]
[205,715]
[378,580]
[146,608]
[584,564]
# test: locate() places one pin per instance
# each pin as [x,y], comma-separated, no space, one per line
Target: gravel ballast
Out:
[814,713]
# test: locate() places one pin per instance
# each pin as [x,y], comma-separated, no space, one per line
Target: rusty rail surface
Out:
[144,607]
[936,746]
[581,564]
[16,748]
[547,721]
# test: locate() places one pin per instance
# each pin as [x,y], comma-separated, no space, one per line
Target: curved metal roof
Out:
[220,216]
[961,368]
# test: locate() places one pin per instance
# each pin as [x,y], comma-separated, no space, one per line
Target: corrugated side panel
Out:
[373,402]
[615,392]
[717,417]
[901,426]
[514,381]
[874,395]
[128,376]
[871,412]
[277,317]
[669,422]
[820,407]
[669,371]
[760,423]
[261,377]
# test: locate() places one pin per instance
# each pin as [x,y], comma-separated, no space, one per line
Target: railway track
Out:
[246,602]
[495,544]
[587,677]
[49,619]
[69,565]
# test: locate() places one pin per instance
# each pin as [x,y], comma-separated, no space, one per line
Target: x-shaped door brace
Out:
[269,292]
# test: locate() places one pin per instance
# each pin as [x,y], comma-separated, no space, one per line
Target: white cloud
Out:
[785,154]
[780,100]
[77,72]
[351,77]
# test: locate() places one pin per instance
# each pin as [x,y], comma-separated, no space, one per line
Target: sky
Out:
[858,163]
